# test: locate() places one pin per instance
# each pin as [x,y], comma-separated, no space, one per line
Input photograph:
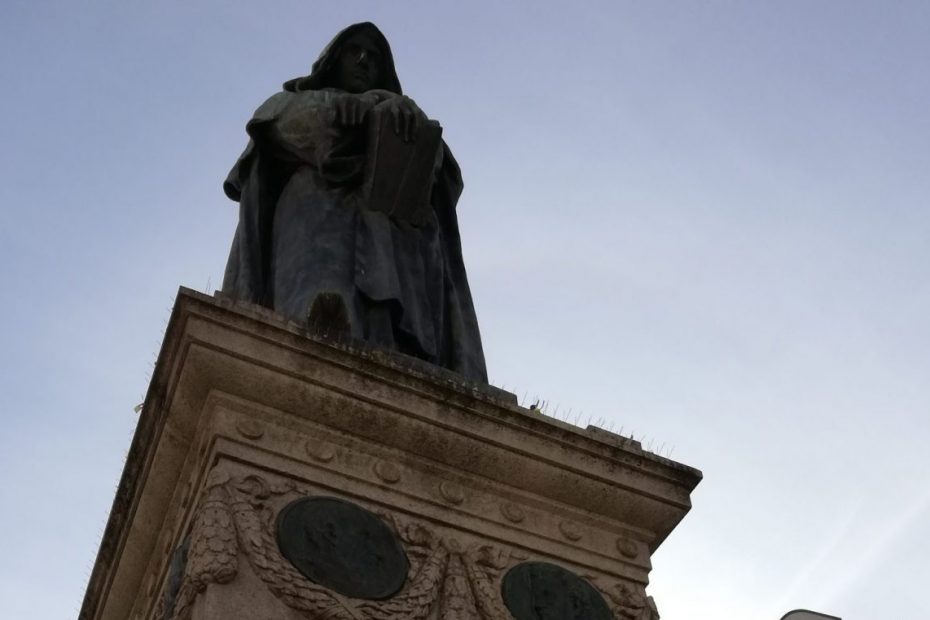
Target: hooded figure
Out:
[306,244]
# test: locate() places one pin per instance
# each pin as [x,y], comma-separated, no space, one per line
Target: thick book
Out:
[398,174]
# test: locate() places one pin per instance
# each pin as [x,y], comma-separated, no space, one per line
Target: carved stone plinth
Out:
[263,456]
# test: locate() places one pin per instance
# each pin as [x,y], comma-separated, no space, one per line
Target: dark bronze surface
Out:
[543,591]
[346,190]
[342,546]
[176,575]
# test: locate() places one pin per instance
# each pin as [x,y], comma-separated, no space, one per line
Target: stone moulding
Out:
[232,520]
[446,575]
[245,411]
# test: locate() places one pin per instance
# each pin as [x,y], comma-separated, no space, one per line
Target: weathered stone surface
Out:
[246,414]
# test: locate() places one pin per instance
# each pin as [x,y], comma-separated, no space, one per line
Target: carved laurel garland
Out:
[234,520]
[630,603]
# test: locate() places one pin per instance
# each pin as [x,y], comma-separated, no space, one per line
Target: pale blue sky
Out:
[705,223]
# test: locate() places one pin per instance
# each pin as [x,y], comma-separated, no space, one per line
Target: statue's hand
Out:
[382,94]
[352,109]
[407,116]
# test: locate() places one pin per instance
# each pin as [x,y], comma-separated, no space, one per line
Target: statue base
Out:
[278,476]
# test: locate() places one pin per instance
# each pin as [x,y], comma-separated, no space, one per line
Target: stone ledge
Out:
[433,422]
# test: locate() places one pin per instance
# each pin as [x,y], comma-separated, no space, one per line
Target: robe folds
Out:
[304,229]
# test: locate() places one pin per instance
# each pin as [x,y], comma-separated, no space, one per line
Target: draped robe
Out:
[304,229]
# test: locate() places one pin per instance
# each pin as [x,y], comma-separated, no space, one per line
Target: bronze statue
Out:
[347,220]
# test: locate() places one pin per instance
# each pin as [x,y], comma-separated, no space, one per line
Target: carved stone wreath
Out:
[234,519]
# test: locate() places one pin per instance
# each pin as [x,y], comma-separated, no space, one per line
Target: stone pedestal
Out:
[263,456]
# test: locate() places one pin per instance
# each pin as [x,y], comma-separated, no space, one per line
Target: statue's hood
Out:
[324,64]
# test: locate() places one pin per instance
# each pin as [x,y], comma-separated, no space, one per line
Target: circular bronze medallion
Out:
[342,546]
[543,591]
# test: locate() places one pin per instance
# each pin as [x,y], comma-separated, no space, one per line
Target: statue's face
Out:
[360,63]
